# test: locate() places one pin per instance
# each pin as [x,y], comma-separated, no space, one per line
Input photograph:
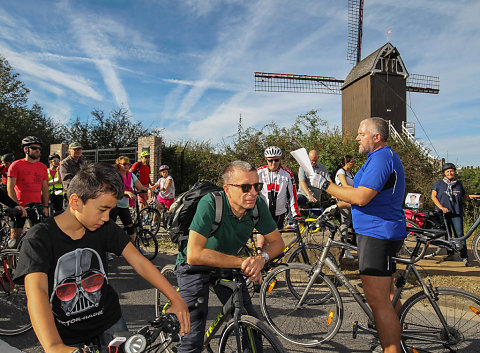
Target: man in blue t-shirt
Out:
[376,200]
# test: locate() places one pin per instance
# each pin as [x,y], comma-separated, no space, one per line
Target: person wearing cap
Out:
[279,190]
[7,160]
[142,170]
[447,195]
[72,164]
[166,187]
[27,181]
[55,183]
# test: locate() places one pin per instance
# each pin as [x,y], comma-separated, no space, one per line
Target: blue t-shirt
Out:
[455,206]
[383,216]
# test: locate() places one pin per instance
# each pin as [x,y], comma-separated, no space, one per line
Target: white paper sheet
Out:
[301,156]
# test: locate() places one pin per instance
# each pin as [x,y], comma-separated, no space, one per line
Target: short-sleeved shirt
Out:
[319,168]
[232,233]
[78,263]
[30,177]
[456,207]
[124,201]
[143,172]
[348,176]
[170,192]
[383,216]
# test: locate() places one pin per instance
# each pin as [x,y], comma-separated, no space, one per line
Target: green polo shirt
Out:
[232,233]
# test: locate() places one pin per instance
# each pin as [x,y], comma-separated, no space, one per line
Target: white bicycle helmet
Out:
[273,151]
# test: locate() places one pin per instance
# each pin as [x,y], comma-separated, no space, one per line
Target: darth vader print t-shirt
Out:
[82,301]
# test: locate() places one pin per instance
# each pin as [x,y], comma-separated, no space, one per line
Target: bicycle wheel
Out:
[161,302]
[160,299]
[423,331]
[476,247]
[13,301]
[146,243]
[313,252]
[255,336]
[317,320]
[150,218]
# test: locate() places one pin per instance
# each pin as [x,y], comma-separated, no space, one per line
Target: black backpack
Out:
[183,210]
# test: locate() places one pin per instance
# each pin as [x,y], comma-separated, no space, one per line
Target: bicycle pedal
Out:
[355,329]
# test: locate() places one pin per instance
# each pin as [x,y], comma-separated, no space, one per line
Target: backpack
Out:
[183,210]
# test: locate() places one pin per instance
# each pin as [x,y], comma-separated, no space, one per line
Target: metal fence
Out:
[109,155]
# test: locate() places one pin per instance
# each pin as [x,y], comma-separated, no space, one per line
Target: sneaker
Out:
[467,262]
[450,257]
[348,255]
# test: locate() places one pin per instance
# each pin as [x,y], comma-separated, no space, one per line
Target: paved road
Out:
[137,298]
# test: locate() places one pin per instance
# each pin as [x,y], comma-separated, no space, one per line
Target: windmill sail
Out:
[272,82]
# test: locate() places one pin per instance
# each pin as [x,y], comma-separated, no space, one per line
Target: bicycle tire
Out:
[147,217]
[147,244]
[476,247]
[161,302]
[13,303]
[458,308]
[316,321]
[269,342]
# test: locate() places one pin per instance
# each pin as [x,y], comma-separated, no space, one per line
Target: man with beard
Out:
[28,180]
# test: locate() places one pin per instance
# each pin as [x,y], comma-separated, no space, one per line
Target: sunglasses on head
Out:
[91,284]
[35,148]
[247,187]
[276,160]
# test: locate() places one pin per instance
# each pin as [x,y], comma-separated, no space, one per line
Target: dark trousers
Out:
[192,287]
[455,224]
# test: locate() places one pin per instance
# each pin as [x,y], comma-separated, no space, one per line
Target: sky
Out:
[187,66]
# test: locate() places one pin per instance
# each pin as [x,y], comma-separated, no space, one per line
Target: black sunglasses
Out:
[276,160]
[248,187]
[35,148]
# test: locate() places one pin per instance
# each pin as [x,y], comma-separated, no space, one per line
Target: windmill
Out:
[376,85]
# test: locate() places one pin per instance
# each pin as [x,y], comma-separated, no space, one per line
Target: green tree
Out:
[113,131]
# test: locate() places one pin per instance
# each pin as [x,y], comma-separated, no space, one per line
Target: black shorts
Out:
[375,256]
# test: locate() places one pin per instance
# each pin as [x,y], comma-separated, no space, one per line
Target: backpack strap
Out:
[218,199]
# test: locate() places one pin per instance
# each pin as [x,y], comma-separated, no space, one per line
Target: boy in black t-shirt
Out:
[63,265]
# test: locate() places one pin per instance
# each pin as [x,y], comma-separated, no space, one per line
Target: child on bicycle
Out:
[63,265]
[166,186]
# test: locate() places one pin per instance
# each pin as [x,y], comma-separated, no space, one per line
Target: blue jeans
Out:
[455,227]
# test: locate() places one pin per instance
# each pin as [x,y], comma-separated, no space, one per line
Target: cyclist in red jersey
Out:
[142,170]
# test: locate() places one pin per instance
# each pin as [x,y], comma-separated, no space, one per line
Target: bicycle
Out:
[145,241]
[304,307]
[242,333]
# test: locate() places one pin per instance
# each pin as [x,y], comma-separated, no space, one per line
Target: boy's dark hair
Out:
[95,178]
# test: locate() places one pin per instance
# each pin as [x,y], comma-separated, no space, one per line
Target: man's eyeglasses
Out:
[247,187]
[276,160]
[125,164]
[35,148]
[55,160]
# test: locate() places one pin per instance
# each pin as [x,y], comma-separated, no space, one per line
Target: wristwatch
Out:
[325,185]
[265,256]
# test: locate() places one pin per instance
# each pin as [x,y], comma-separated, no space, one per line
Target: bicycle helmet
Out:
[145,154]
[273,151]
[163,167]
[53,156]
[8,157]
[448,166]
[31,140]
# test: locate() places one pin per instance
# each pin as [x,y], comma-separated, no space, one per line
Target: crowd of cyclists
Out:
[27,182]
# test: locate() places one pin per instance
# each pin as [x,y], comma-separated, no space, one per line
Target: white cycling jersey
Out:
[279,190]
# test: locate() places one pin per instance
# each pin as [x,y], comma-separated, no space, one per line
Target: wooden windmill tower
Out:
[376,86]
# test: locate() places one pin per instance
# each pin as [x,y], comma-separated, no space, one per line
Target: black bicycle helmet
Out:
[53,156]
[31,140]
[448,166]
[8,157]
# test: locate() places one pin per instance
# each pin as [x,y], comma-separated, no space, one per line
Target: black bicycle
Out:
[145,241]
[242,333]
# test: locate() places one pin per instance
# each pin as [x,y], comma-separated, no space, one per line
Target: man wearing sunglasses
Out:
[279,191]
[27,180]
[240,195]
[70,166]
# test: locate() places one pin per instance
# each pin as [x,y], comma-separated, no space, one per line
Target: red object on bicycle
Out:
[415,216]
